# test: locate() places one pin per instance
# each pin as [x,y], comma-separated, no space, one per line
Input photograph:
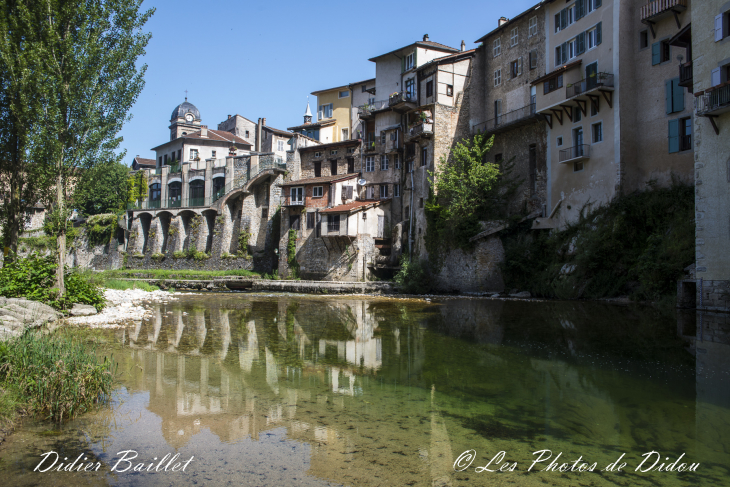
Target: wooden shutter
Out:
[580,9]
[519,65]
[599,33]
[715,77]
[677,96]
[656,49]
[673,136]
[580,43]
[668,95]
[563,18]
[718,28]
[564,49]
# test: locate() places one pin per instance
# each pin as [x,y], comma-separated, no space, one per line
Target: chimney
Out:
[463,45]
[229,117]
[425,37]
[257,147]
[263,122]
[502,21]
[204,131]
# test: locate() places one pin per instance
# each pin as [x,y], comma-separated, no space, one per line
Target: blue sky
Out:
[262,58]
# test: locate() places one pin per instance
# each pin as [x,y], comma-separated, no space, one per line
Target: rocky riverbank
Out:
[123,306]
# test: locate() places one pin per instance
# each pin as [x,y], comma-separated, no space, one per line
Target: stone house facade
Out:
[363,93]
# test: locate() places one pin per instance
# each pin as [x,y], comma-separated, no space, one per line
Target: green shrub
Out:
[100,228]
[34,278]
[157,257]
[58,378]
[413,276]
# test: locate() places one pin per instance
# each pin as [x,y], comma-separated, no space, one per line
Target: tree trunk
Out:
[61,259]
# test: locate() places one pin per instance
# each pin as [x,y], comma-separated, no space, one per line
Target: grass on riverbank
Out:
[53,377]
[175,274]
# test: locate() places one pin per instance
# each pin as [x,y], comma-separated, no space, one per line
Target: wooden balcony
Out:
[656,9]
[513,119]
[685,75]
[287,200]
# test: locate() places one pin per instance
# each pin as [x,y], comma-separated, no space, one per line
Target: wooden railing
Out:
[656,7]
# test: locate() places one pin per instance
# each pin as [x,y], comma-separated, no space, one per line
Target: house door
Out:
[381,226]
[578,142]
[591,76]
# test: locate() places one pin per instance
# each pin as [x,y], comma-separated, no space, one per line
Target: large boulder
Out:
[82,310]
[17,314]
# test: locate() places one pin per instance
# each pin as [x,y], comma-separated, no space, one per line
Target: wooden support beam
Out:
[582,104]
[596,102]
[608,95]
[651,27]
[549,120]
[568,111]
[676,17]
[714,125]
[558,115]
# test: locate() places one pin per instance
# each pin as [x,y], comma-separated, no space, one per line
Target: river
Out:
[274,390]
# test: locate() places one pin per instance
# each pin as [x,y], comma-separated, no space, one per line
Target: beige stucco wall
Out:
[712,151]
[340,112]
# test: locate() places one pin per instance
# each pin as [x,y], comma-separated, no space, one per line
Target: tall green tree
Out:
[91,80]
[21,180]
[102,189]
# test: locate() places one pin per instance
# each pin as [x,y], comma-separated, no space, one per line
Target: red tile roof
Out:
[217,135]
[145,162]
[354,206]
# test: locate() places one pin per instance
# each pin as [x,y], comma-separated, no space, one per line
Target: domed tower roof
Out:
[183,108]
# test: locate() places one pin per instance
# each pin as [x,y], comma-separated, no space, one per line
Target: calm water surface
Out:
[274,390]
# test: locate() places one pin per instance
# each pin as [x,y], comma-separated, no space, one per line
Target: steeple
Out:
[308,114]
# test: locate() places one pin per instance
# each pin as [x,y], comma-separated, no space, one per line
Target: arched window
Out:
[219,187]
[174,191]
[197,193]
[155,194]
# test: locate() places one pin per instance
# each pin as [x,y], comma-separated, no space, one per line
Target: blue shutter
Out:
[655,53]
[668,95]
[598,3]
[677,96]
[563,18]
[580,9]
[599,34]
[564,48]
[581,43]
[673,136]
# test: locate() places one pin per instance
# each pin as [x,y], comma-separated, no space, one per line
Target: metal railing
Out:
[685,74]
[369,108]
[288,201]
[656,7]
[713,100]
[597,81]
[575,152]
[685,142]
[401,97]
[506,119]
[422,128]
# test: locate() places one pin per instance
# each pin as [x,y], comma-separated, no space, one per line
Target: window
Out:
[371,192]
[344,94]
[572,48]
[410,60]
[410,88]
[722,26]
[553,84]
[325,111]
[532,27]
[498,77]
[660,52]
[558,24]
[350,150]
[383,190]
[533,59]
[382,138]
[674,96]
[449,90]
[317,191]
[513,38]
[384,163]
[497,47]
[592,5]
[333,167]
[317,154]
[350,165]
[424,156]
[279,145]
[264,213]
[396,190]
[515,68]
[333,152]
[560,141]
[597,132]
[396,161]
[345,135]
[193,154]
[577,114]
[318,169]
[165,156]
[364,88]
[212,153]
[333,223]
[643,39]
[561,54]
[294,221]
[429,88]
[685,133]
[310,220]
[592,38]
[497,112]
[571,14]
[369,164]
[297,195]
[247,134]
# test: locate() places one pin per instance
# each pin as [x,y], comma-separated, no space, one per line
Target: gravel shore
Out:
[123,307]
